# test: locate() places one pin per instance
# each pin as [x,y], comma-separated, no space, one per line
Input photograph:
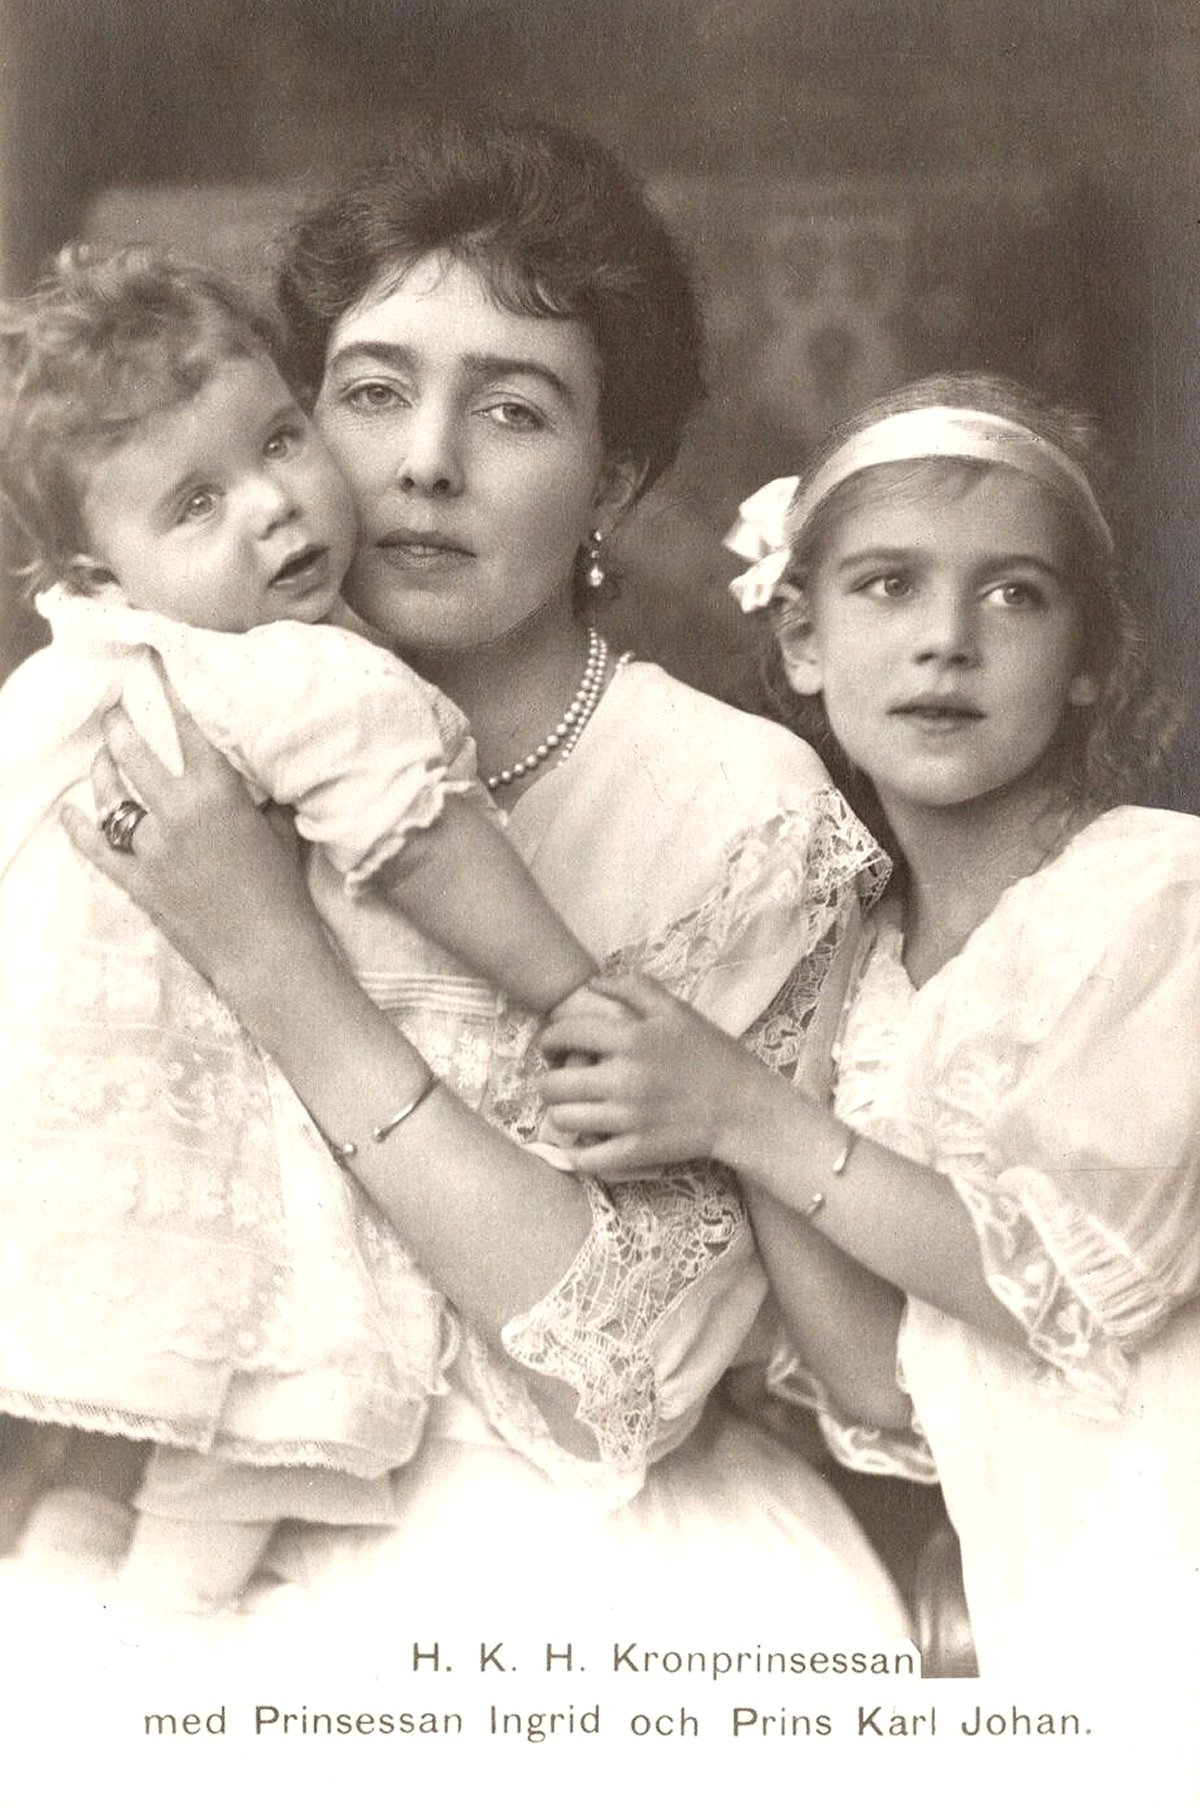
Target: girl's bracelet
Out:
[838,1166]
[344,1153]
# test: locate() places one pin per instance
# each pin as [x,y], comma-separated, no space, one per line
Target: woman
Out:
[503,348]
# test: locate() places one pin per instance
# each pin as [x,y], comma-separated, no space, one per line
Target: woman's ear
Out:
[1083,690]
[620,484]
[799,648]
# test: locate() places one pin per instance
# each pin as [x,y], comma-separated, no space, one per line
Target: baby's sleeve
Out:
[341,731]
[1071,1132]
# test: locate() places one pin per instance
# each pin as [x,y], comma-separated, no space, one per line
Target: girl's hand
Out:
[661,1084]
[203,863]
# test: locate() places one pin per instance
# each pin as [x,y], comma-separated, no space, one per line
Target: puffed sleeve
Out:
[1063,1072]
[338,729]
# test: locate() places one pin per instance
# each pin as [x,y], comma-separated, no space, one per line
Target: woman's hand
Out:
[660,1085]
[203,863]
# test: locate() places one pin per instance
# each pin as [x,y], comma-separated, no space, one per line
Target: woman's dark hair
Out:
[553,225]
[1101,753]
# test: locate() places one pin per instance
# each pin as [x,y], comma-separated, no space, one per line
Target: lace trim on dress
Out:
[646,1248]
[405,1427]
[500,1388]
[1074,1285]
[802,861]
[864,1447]
[652,1239]
[1026,1229]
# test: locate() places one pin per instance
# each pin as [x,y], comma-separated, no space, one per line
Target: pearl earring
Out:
[593,572]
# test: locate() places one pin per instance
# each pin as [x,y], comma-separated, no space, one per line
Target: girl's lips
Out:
[939,717]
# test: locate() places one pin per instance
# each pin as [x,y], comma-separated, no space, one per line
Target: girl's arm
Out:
[843,1320]
[666,1086]
[465,886]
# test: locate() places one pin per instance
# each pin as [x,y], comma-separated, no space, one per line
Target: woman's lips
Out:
[422,551]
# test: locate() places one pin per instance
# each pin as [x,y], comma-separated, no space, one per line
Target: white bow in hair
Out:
[760,534]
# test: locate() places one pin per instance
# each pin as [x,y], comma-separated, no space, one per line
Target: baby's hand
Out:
[658,1085]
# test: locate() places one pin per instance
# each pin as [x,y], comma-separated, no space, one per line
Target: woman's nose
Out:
[948,629]
[431,463]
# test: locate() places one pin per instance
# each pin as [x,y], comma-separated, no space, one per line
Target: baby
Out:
[183,1260]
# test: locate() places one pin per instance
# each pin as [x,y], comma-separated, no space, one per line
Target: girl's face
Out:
[944,637]
[470,438]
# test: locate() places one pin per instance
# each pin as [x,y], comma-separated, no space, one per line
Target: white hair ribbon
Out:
[770,522]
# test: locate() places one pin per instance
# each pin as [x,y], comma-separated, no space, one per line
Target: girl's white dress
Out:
[181,1260]
[1052,1071]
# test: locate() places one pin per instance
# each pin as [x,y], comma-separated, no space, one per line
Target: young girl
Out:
[1006,1134]
[183,1259]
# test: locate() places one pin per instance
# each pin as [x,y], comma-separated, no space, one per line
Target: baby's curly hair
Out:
[107,341]
[1102,754]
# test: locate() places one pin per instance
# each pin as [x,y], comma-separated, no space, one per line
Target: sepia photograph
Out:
[599,900]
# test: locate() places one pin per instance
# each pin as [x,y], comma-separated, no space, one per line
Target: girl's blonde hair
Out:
[1101,753]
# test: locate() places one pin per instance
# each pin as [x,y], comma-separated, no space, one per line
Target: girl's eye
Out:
[518,416]
[888,586]
[201,505]
[285,440]
[1016,594]
[373,397]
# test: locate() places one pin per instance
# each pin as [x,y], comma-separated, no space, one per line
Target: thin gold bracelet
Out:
[344,1153]
[838,1166]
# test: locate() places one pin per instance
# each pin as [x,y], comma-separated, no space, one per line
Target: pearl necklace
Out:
[574,719]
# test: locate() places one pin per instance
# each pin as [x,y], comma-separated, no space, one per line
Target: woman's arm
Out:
[495,1227]
[665,1086]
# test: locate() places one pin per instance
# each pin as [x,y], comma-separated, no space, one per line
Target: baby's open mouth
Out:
[308,563]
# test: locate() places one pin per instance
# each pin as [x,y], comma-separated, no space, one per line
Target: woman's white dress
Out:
[707,847]
[1052,1071]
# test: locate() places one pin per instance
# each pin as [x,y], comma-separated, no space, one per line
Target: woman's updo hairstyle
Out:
[1101,753]
[554,226]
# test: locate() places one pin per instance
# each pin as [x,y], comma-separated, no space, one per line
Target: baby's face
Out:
[225,512]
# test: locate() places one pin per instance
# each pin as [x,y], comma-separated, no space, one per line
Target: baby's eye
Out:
[372,396]
[887,586]
[285,440]
[517,415]
[200,505]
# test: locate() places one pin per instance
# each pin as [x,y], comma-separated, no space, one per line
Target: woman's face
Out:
[470,438]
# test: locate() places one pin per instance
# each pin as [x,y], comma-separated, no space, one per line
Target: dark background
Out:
[873,189]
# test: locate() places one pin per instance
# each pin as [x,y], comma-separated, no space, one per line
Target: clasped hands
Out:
[659,1084]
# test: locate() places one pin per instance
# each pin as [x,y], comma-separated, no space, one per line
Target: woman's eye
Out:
[517,415]
[373,397]
[201,505]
